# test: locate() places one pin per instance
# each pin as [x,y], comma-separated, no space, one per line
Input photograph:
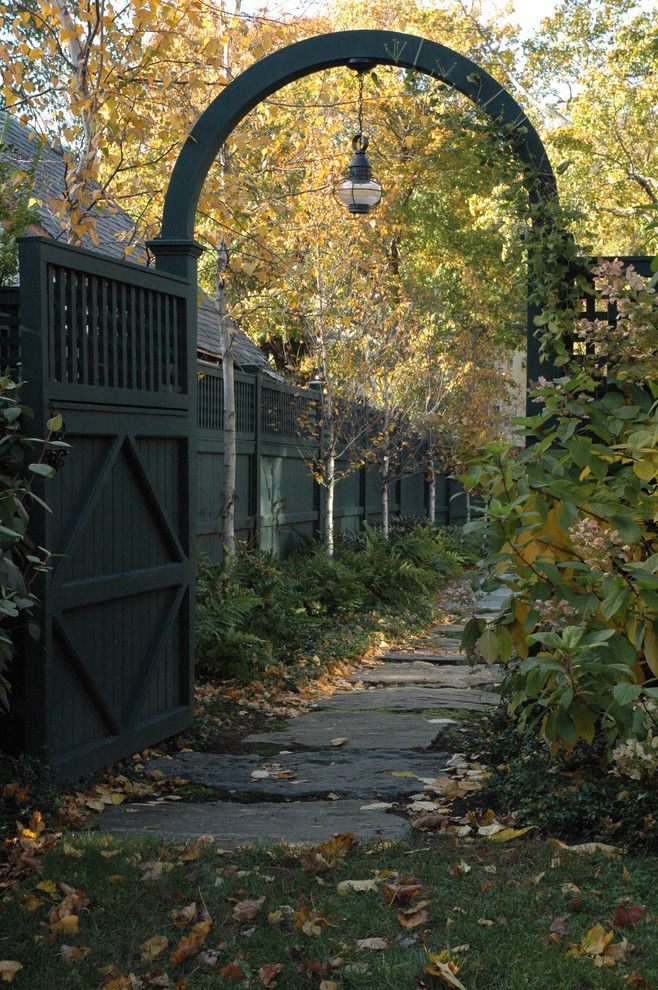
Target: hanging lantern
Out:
[360,192]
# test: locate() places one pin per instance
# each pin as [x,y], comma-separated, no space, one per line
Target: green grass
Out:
[513,954]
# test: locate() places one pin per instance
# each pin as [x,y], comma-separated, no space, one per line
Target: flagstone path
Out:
[353,763]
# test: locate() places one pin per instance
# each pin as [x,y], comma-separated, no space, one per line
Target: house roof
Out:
[22,148]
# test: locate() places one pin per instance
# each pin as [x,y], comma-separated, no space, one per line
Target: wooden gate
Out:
[111,347]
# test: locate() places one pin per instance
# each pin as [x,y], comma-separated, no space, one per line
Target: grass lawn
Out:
[498,902]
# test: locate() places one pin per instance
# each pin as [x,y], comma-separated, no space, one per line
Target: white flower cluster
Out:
[637,759]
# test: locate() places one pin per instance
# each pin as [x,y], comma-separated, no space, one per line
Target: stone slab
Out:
[363,731]
[357,774]
[418,672]
[408,656]
[411,699]
[235,825]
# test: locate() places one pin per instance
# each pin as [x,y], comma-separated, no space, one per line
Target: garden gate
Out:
[111,346]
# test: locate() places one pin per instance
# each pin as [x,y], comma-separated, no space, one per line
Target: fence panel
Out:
[110,346]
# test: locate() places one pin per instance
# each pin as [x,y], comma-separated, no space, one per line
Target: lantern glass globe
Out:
[359,197]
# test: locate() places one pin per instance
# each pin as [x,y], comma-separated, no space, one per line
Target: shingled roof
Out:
[22,148]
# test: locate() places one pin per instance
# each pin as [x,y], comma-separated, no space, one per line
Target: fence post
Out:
[363,494]
[257,473]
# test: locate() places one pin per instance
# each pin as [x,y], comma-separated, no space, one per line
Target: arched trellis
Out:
[176,251]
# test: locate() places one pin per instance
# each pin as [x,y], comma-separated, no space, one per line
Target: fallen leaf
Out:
[339,741]
[373,943]
[8,969]
[71,851]
[560,926]
[401,892]
[30,903]
[71,953]
[268,973]
[49,887]
[185,915]
[152,947]
[596,940]
[190,945]
[231,972]
[377,806]
[246,910]
[356,886]
[507,834]
[445,971]
[627,915]
[588,848]
[414,916]
[309,922]
[459,869]
[329,985]
[66,925]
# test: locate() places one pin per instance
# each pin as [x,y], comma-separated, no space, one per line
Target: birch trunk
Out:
[468,507]
[329,517]
[431,508]
[385,484]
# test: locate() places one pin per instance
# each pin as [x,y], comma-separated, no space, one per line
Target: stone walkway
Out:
[350,764]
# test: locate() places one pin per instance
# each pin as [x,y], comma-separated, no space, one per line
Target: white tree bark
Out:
[385,484]
[330,484]
[431,508]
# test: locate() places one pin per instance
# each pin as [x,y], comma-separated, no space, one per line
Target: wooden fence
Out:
[278,503]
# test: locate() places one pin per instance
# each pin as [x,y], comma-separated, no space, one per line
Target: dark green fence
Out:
[110,346]
[278,503]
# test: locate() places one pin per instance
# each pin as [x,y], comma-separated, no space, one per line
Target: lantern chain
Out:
[360,105]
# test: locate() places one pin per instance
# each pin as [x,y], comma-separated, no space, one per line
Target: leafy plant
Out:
[22,459]
[255,611]
[572,522]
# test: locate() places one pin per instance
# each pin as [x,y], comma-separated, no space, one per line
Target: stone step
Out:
[418,672]
[411,699]
[363,774]
[363,731]
[233,825]
[404,656]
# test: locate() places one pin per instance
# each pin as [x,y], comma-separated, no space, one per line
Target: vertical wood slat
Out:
[104,331]
[61,277]
[114,331]
[123,380]
[133,337]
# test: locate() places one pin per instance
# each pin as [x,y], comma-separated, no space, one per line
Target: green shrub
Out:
[572,796]
[255,611]
[572,522]
[22,460]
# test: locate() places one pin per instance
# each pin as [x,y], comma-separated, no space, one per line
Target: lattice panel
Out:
[210,403]
[286,413]
[105,332]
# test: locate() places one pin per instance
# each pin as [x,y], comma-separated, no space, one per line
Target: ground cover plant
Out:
[124,913]
[255,611]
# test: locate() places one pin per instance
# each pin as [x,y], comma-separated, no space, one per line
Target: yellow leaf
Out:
[8,969]
[596,940]
[152,947]
[30,903]
[507,834]
[49,887]
[444,972]
[356,886]
[66,925]
[71,851]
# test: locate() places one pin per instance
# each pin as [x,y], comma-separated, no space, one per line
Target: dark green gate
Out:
[111,347]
